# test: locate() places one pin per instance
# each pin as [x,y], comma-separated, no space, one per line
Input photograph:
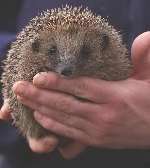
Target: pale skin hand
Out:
[116,116]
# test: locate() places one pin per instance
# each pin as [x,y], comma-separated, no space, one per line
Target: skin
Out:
[115,115]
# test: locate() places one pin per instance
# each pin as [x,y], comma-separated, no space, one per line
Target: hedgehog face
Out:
[69,52]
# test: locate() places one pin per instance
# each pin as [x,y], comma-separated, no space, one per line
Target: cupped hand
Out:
[114,114]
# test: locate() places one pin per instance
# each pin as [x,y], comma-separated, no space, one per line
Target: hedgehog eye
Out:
[104,41]
[52,50]
[36,45]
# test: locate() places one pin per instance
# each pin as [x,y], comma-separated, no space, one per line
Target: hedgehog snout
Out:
[65,69]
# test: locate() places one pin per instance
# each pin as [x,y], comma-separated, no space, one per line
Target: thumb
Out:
[141,56]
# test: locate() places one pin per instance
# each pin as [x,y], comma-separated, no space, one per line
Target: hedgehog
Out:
[71,41]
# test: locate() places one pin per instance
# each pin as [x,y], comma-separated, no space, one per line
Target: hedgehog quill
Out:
[70,41]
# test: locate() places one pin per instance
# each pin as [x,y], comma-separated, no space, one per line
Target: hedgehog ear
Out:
[36,45]
[104,40]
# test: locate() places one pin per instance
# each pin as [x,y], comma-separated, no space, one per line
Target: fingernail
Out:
[39,78]
[18,88]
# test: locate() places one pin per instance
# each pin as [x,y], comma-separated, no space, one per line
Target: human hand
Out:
[68,150]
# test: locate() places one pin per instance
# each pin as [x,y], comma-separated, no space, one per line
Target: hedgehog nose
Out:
[67,71]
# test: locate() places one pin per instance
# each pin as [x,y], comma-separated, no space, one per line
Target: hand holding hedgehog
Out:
[116,116]
[91,48]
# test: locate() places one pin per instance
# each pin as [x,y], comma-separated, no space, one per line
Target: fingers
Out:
[5,111]
[61,129]
[48,144]
[39,100]
[43,145]
[72,150]
[43,97]
[94,90]
[68,120]
[141,56]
